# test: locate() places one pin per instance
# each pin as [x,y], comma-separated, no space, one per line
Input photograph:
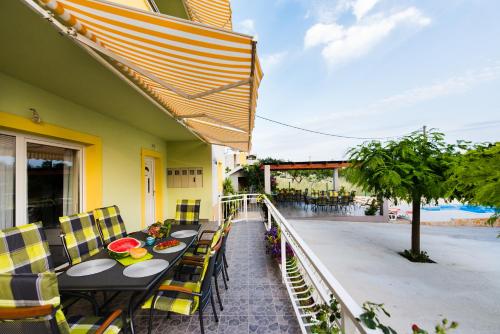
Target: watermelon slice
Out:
[120,248]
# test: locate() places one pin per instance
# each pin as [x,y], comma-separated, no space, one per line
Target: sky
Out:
[372,68]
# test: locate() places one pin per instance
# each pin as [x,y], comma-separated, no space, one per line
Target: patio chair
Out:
[30,303]
[220,263]
[186,297]
[110,223]
[80,237]
[187,212]
[24,249]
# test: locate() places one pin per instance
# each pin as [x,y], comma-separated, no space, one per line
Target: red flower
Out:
[415,328]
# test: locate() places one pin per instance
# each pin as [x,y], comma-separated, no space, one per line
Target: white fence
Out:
[306,275]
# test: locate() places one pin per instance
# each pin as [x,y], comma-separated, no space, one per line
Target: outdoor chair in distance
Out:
[110,223]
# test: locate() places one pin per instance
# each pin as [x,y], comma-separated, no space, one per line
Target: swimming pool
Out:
[468,208]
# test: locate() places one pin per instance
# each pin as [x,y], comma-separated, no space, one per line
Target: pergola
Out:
[303,165]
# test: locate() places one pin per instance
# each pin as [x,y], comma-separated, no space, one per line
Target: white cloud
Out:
[247,26]
[272,60]
[362,7]
[344,43]
[453,85]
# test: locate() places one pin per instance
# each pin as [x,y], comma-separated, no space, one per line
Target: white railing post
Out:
[220,210]
[283,252]
[245,206]
[347,324]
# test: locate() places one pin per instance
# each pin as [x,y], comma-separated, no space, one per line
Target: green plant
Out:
[441,328]
[474,176]
[416,257]
[372,209]
[370,317]
[227,187]
[328,317]
[413,168]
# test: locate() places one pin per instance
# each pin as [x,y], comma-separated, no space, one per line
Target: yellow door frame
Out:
[92,151]
[158,185]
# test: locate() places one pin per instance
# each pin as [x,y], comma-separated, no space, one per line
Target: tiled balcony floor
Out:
[256,301]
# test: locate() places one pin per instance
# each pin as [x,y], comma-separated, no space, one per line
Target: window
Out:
[40,180]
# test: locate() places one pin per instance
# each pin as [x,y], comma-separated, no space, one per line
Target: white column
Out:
[267,179]
[336,179]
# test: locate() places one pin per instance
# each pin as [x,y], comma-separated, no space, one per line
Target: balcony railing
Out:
[308,282]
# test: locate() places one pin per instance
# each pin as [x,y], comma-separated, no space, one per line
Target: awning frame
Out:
[125,69]
[65,31]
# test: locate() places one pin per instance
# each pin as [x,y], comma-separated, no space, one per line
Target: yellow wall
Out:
[122,144]
[242,158]
[191,154]
[141,4]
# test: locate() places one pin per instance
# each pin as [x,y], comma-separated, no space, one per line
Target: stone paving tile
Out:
[256,301]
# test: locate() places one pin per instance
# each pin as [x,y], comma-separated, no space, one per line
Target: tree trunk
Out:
[415,226]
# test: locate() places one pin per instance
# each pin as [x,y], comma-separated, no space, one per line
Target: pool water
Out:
[468,208]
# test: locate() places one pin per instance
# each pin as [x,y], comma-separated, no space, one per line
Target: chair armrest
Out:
[207,232]
[178,289]
[175,288]
[196,263]
[15,313]
[109,321]
[204,242]
[193,258]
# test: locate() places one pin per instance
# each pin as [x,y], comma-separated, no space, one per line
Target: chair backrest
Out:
[30,303]
[24,249]
[110,223]
[188,211]
[81,236]
[206,277]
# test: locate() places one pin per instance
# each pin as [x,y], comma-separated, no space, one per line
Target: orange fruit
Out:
[137,253]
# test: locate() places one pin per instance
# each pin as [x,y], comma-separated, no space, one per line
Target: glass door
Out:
[53,179]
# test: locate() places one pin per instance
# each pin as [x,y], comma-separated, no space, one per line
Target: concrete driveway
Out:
[464,284]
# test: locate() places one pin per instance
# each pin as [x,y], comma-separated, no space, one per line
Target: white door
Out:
[149,185]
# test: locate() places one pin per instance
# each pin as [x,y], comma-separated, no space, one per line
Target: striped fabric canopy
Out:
[216,13]
[206,77]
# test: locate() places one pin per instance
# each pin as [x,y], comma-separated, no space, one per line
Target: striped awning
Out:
[204,76]
[216,13]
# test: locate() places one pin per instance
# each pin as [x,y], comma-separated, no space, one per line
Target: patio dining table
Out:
[113,279]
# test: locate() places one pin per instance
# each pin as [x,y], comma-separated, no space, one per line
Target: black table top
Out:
[113,278]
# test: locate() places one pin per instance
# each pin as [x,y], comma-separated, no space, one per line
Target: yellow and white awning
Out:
[204,76]
[216,13]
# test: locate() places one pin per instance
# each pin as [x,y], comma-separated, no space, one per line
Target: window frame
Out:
[21,170]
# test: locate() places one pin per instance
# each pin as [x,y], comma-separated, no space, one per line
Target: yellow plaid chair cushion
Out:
[81,236]
[25,290]
[24,249]
[110,223]
[187,211]
[89,325]
[176,302]
[28,290]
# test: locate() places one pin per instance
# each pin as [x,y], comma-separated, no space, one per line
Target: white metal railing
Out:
[306,275]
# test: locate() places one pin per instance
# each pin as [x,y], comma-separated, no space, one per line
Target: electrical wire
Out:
[324,133]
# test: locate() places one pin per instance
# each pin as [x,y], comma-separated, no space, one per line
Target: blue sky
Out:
[372,68]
